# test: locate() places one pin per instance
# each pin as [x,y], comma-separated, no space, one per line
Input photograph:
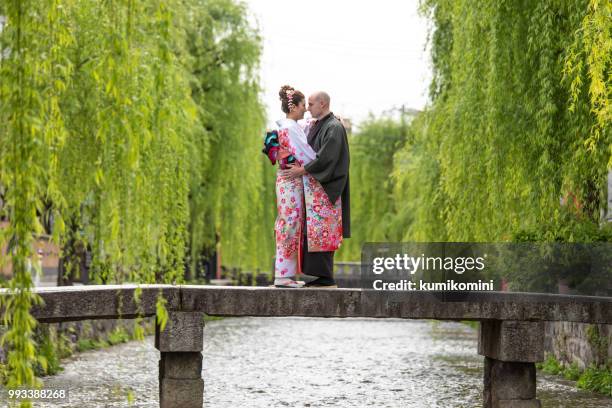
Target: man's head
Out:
[318,104]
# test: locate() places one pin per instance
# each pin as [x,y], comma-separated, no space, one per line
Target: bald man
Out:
[328,139]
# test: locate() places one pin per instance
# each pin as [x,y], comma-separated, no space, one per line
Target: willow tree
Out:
[519,119]
[22,109]
[373,206]
[115,126]
[124,170]
[230,200]
[95,121]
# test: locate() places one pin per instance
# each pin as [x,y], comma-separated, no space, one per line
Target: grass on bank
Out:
[596,379]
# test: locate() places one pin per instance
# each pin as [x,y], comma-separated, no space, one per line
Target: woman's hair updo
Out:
[290,98]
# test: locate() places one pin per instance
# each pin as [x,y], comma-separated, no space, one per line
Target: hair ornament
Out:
[290,103]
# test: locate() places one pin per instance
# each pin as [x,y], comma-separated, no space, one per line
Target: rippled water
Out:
[309,362]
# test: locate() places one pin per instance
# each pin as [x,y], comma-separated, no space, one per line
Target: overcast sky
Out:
[369,56]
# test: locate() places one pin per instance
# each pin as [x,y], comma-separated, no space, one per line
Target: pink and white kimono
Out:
[301,198]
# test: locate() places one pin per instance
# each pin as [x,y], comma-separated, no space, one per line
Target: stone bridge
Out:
[510,337]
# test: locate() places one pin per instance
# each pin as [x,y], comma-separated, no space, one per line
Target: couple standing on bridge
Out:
[312,189]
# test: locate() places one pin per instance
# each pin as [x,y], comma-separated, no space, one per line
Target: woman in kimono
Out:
[300,202]
[290,192]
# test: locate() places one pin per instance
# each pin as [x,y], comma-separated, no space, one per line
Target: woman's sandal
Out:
[287,283]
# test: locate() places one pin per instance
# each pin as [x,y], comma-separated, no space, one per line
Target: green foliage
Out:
[598,342]
[118,336]
[591,57]
[550,366]
[572,372]
[130,397]
[139,330]
[565,227]
[517,121]
[90,344]
[124,125]
[48,358]
[596,379]
[22,125]
[417,186]
[233,201]
[471,323]
[559,262]
[161,313]
[511,147]
[372,162]
[52,347]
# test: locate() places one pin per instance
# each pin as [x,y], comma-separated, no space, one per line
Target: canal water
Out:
[309,362]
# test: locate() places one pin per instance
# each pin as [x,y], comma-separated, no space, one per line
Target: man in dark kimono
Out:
[327,137]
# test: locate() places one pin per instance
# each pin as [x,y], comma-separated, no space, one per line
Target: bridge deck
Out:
[102,302]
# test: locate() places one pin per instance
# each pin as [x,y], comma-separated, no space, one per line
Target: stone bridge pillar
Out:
[180,365]
[511,349]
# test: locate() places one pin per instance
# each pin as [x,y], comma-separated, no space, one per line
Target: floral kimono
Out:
[301,198]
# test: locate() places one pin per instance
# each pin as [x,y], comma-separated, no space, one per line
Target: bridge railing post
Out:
[511,349]
[180,365]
